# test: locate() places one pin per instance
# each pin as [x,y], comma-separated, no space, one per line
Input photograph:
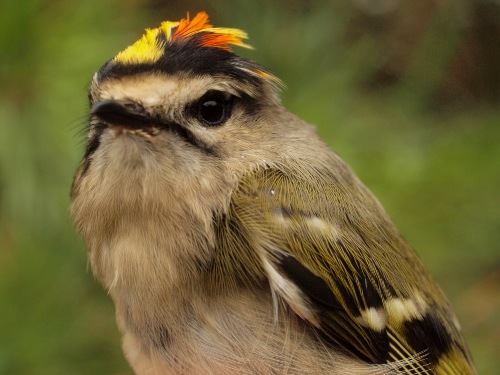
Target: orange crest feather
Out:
[150,48]
[187,28]
[153,45]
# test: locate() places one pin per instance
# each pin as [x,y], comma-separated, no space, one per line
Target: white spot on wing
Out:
[324,227]
[405,309]
[373,318]
[290,292]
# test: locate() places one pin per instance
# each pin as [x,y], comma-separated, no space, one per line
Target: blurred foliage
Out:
[408,94]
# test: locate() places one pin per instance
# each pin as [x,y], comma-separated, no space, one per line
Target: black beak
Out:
[122,112]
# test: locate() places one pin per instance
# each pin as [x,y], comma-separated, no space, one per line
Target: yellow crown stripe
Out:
[167,27]
[145,50]
[149,48]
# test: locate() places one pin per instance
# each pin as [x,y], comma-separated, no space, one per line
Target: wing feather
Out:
[351,273]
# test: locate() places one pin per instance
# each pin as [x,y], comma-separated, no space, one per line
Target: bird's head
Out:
[178,87]
[178,103]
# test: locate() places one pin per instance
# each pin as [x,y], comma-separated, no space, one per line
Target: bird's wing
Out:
[337,260]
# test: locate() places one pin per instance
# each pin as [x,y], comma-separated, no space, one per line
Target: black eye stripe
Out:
[189,137]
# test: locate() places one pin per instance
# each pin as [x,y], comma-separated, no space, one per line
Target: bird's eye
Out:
[214,108]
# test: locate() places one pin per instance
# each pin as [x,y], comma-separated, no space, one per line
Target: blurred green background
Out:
[408,92]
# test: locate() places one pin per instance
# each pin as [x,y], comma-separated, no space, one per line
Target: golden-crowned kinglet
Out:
[231,238]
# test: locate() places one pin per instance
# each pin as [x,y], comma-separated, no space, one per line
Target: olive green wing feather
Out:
[330,251]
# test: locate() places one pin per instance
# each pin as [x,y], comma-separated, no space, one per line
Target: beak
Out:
[122,112]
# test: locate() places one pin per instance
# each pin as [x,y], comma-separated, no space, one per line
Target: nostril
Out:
[134,106]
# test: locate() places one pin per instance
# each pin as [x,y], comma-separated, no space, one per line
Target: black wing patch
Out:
[338,329]
[314,286]
[428,336]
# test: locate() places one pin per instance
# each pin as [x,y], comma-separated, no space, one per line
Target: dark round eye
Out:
[214,107]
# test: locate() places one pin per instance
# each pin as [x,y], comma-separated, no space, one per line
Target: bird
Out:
[231,238]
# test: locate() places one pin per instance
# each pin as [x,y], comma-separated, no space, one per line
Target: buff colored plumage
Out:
[231,238]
